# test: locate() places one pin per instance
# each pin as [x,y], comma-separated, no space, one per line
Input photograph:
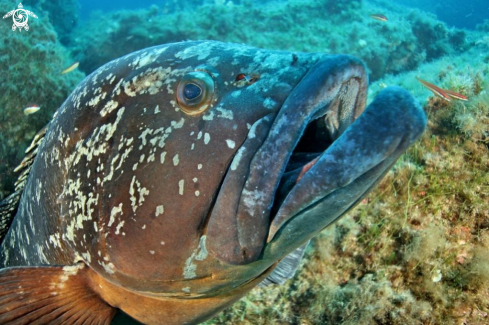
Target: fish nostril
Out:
[243,79]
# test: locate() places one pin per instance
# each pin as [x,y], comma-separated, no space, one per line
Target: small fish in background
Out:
[443,93]
[70,68]
[379,17]
[455,95]
[31,109]
[435,89]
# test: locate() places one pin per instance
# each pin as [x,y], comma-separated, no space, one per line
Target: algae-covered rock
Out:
[30,62]
[406,40]
[62,14]
[335,6]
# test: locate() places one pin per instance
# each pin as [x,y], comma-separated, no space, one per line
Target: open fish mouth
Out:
[319,135]
[349,167]
[303,169]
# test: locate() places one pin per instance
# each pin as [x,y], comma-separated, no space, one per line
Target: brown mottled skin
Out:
[171,212]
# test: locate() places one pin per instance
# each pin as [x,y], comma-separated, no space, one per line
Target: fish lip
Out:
[251,203]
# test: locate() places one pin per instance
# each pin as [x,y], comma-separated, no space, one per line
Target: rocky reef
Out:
[31,63]
[401,44]
[467,14]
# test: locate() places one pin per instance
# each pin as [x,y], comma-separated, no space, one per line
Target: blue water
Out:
[457,13]
[87,6]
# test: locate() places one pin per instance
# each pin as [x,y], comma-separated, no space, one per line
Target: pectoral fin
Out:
[50,295]
[8,207]
[286,268]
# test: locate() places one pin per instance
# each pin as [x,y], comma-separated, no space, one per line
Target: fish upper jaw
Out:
[333,92]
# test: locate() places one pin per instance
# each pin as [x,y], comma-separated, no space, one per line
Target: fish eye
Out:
[195,92]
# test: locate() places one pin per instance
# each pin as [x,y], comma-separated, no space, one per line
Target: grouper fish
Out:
[175,179]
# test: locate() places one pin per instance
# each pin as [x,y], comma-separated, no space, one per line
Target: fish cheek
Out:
[154,222]
[155,205]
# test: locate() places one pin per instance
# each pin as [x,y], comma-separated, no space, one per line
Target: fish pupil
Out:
[192,91]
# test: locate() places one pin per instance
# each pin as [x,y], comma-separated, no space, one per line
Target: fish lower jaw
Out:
[153,308]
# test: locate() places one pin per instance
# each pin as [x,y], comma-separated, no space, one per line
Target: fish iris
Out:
[195,92]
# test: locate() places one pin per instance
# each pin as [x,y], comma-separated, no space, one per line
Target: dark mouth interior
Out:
[319,136]
[315,140]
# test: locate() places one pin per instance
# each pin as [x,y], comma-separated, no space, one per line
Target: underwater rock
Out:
[408,39]
[30,62]
[63,15]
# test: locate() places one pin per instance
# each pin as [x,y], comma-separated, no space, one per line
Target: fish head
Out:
[195,167]
[149,140]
